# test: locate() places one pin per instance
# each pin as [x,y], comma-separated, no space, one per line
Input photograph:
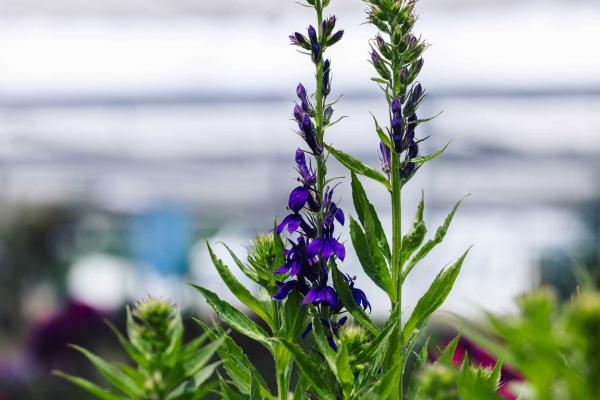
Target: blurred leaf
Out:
[322,343]
[90,387]
[202,357]
[131,351]
[358,166]
[434,297]
[294,316]
[190,386]
[235,318]
[445,358]
[114,375]
[385,138]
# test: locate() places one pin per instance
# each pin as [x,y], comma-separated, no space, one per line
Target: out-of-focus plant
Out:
[554,346]
[441,380]
[165,367]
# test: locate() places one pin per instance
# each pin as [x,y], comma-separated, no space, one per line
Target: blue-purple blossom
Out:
[328,25]
[385,157]
[322,295]
[300,40]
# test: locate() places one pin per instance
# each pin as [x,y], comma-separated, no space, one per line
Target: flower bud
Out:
[335,38]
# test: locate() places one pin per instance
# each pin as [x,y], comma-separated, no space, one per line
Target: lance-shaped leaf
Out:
[239,290]
[92,388]
[191,386]
[445,358]
[235,318]
[347,299]
[235,362]
[423,159]
[322,343]
[192,366]
[385,138]
[112,373]
[359,167]
[131,351]
[413,239]
[433,298]
[429,245]
[309,370]
[364,209]
[293,315]
[370,257]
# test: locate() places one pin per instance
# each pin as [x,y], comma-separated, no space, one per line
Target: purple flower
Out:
[385,157]
[327,247]
[286,288]
[292,222]
[328,25]
[327,114]
[307,131]
[298,198]
[304,102]
[322,295]
[300,40]
[314,44]
[307,175]
[360,298]
[336,37]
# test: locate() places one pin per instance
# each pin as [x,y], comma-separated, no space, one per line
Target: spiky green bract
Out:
[166,369]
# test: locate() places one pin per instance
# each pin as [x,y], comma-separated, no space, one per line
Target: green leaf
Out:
[423,159]
[321,340]
[131,351]
[175,331]
[113,374]
[370,257]
[434,297]
[344,371]
[134,336]
[364,209]
[359,167]
[201,357]
[235,318]
[236,363]
[429,245]
[92,388]
[293,316]
[385,138]
[447,354]
[238,289]
[190,386]
[228,393]
[310,371]
[241,266]
[348,300]
[413,239]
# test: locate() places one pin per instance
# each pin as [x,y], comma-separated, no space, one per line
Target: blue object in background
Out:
[160,238]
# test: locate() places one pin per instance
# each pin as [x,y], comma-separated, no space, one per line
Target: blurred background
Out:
[131,129]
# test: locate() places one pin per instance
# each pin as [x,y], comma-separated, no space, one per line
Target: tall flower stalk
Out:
[396,56]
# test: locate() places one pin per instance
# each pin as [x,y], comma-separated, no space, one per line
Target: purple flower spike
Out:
[298,198]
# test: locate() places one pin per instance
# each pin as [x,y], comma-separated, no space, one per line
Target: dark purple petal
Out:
[298,198]
[336,37]
[340,250]
[312,34]
[339,215]
[312,296]
[292,222]
[285,289]
[396,107]
[331,297]
[298,113]
[360,298]
[301,91]
[314,248]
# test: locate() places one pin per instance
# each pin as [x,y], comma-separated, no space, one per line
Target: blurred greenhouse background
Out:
[131,129]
